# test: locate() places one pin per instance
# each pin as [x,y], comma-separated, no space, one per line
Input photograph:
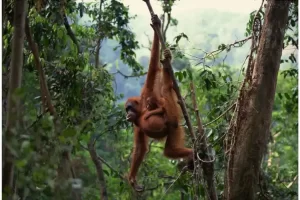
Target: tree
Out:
[79,66]
[13,107]
[249,132]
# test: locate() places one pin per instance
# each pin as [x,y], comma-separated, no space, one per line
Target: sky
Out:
[239,6]
[181,12]
[183,6]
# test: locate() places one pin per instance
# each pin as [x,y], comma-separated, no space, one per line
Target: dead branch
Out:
[167,65]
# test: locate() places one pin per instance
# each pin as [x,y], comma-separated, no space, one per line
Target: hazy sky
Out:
[182,10]
[239,6]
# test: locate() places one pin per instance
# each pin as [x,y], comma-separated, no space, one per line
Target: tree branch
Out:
[45,94]
[205,158]
[111,168]
[98,47]
[223,48]
[167,26]
[228,109]
[99,169]
[128,76]
[70,32]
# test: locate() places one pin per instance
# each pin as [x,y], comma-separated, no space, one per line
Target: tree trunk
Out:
[250,132]
[99,169]
[13,105]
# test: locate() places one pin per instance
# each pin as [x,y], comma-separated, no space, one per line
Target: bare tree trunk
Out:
[250,131]
[13,102]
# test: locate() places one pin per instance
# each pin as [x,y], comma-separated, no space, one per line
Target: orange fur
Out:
[159,88]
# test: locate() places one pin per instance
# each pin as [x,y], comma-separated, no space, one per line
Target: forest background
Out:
[83,59]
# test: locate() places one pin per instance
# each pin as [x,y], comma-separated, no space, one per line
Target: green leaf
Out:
[184,74]
[207,83]
[21,163]
[69,132]
[189,71]
[106,172]
[293,23]
[179,76]
[287,96]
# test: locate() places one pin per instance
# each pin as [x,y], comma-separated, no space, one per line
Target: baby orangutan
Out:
[155,106]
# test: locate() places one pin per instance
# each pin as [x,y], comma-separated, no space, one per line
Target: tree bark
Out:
[99,169]
[13,100]
[251,129]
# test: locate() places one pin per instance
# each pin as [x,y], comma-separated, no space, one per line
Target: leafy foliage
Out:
[89,109]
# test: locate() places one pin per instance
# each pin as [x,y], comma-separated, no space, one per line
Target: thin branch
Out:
[199,123]
[149,146]
[128,76]
[112,169]
[98,47]
[182,171]
[228,109]
[163,19]
[291,183]
[219,50]
[70,32]
[38,118]
[106,163]
[46,97]
[167,26]
[206,160]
